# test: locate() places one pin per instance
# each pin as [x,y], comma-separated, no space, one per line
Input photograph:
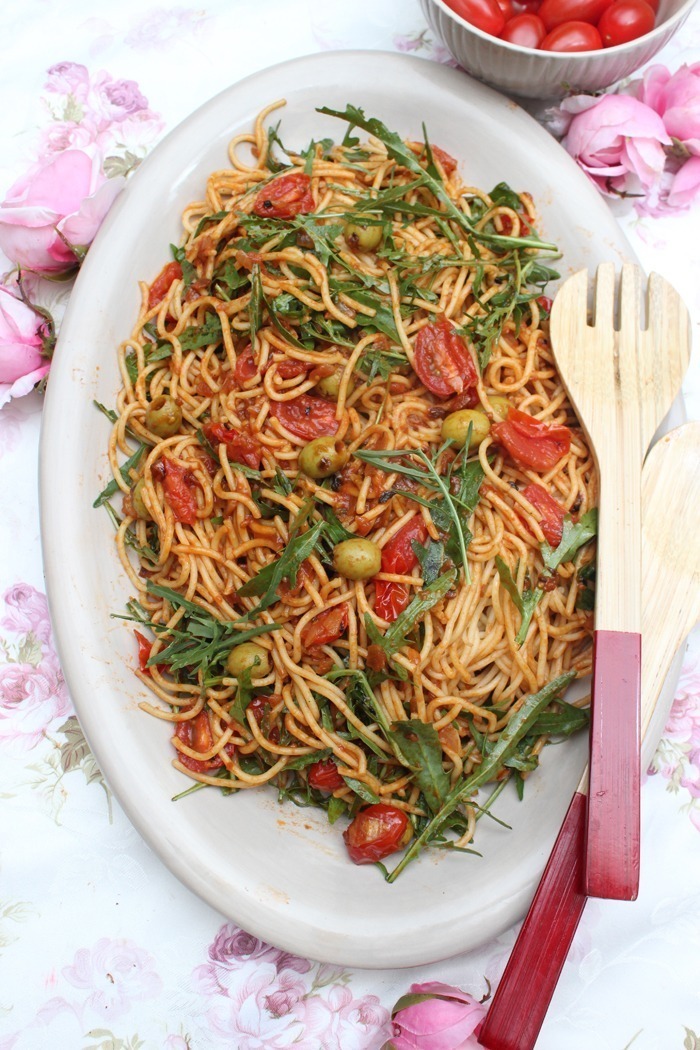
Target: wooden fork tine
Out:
[630,301]
[604,296]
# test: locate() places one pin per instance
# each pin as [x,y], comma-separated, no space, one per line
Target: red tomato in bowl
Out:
[507,8]
[376,832]
[306,416]
[625,20]
[442,361]
[524,30]
[572,36]
[285,197]
[554,12]
[484,14]
[531,442]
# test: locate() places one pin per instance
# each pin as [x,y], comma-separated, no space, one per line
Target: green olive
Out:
[164,416]
[455,427]
[137,502]
[357,559]
[500,406]
[329,386]
[248,657]
[322,457]
[363,237]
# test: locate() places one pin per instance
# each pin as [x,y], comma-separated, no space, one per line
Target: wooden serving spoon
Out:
[621,377]
[671,608]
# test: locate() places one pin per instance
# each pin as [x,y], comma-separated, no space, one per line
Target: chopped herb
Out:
[572,539]
[189,270]
[430,558]
[198,335]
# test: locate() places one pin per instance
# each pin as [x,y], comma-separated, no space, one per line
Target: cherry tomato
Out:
[525,30]
[449,164]
[625,20]
[324,776]
[554,12]
[179,492]
[260,707]
[289,369]
[484,14]
[161,286]
[325,628]
[531,442]
[306,416]
[246,367]
[376,832]
[285,197]
[144,645]
[398,557]
[442,361]
[240,448]
[195,733]
[572,36]
[545,305]
[552,513]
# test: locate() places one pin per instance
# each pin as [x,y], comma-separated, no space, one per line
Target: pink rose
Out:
[57,206]
[27,610]
[22,363]
[619,143]
[31,698]
[68,78]
[436,1016]
[676,98]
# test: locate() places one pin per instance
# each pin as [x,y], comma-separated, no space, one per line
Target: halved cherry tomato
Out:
[306,416]
[525,30]
[398,557]
[324,776]
[240,448]
[442,361]
[179,492]
[484,14]
[325,628]
[144,645]
[552,513]
[531,442]
[572,36]
[285,197]
[195,733]
[161,286]
[449,164]
[554,12]
[246,367]
[289,369]
[625,20]
[545,304]
[376,832]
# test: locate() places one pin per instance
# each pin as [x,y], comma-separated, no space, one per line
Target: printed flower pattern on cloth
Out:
[677,757]
[22,343]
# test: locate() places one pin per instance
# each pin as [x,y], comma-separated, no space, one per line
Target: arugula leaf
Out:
[112,488]
[206,219]
[573,537]
[255,304]
[281,483]
[421,746]
[267,581]
[504,195]
[199,335]
[230,279]
[244,695]
[381,362]
[396,636]
[189,270]
[273,139]
[525,603]
[309,154]
[362,790]
[519,725]
[564,722]
[430,558]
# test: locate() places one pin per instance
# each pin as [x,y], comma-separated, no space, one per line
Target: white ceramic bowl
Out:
[548,74]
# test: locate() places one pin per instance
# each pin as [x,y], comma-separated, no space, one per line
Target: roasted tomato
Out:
[325,628]
[179,491]
[289,369]
[144,645]
[398,557]
[531,442]
[306,416]
[240,448]
[449,164]
[246,367]
[161,286]
[442,361]
[195,733]
[285,197]
[376,832]
[552,513]
[324,776]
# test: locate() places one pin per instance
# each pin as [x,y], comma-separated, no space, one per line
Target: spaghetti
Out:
[357,516]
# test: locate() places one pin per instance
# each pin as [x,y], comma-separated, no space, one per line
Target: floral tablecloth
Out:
[100,946]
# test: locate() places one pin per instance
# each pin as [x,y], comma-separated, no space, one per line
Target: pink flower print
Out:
[31,699]
[262,1010]
[115,974]
[27,610]
[60,135]
[111,101]
[232,947]
[340,1020]
[68,78]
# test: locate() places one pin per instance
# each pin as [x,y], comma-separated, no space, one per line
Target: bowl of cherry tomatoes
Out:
[548,48]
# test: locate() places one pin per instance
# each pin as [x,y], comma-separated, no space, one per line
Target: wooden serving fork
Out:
[671,599]
[621,378]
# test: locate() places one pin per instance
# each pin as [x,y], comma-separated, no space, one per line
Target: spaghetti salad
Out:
[356,505]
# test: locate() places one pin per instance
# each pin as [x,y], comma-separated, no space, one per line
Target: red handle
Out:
[612,833]
[524,992]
